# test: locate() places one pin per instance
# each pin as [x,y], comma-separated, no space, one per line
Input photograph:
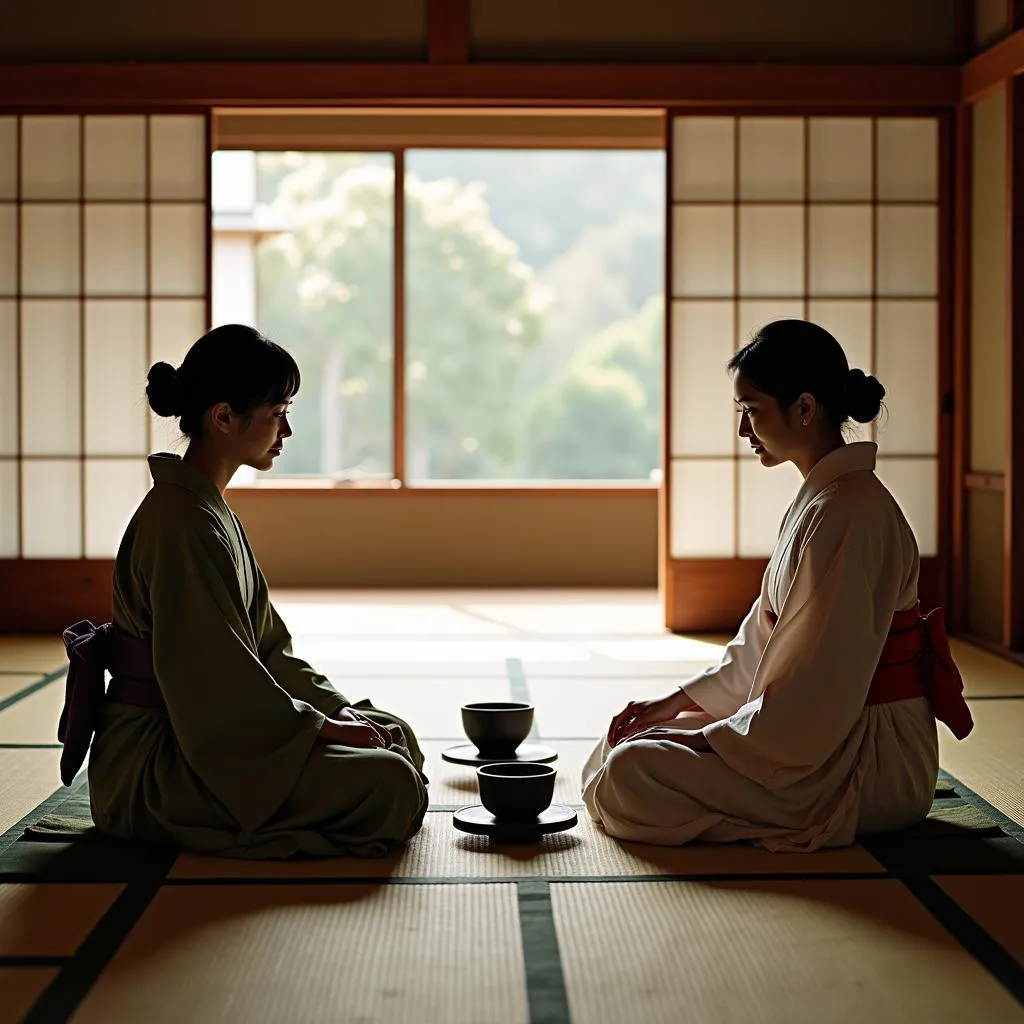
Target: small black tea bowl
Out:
[516,792]
[497,727]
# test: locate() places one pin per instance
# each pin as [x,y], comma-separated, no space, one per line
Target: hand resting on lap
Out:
[348,728]
[638,716]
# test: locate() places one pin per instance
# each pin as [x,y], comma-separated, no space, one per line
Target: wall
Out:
[869,31]
[987,452]
[473,539]
[69,30]
[990,22]
[439,539]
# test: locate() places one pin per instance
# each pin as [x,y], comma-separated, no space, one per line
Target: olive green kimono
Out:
[233,765]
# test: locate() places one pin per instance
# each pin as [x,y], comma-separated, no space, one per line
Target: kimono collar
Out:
[170,469]
[857,457]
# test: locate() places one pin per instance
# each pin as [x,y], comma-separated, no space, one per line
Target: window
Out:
[304,249]
[533,300]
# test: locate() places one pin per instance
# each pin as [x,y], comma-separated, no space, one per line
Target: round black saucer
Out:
[527,753]
[479,821]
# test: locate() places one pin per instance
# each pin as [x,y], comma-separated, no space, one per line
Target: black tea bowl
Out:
[518,791]
[497,727]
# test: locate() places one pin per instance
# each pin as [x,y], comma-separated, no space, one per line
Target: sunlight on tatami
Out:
[455,929]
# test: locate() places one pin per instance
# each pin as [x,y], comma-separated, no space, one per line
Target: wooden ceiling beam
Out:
[448,31]
[241,84]
[989,70]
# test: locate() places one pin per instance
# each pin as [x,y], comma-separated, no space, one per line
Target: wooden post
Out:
[961,367]
[1013,532]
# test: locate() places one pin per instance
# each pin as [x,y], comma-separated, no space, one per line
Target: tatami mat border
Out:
[27,691]
[545,982]
[1007,824]
[750,876]
[63,995]
[545,978]
[48,806]
[546,990]
[34,961]
[989,953]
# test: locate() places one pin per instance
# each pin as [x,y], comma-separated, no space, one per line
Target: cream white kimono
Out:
[798,761]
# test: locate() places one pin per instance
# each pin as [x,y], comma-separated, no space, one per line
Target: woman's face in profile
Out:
[762,424]
[261,441]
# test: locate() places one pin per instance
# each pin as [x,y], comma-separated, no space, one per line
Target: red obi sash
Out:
[916,662]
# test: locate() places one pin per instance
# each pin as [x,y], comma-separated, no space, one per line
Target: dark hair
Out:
[233,364]
[790,357]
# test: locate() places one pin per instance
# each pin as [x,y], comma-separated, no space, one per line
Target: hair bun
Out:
[164,390]
[863,396]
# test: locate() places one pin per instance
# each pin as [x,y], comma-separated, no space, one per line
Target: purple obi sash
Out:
[93,650]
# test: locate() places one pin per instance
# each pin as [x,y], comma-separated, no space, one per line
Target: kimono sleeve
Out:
[240,732]
[724,689]
[292,674]
[811,684]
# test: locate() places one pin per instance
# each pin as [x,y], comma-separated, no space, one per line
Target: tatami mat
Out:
[995,902]
[37,654]
[991,760]
[466,597]
[342,672]
[440,851]
[15,682]
[423,652]
[34,719]
[430,706]
[21,987]
[354,619]
[707,932]
[659,674]
[616,616]
[584,707]
[50,920]
[985,674]
[452,784]
[776,951]
[27,778]
[639,650]
[298,954]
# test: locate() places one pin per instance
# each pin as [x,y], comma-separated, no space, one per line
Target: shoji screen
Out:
[103,269]
[832,219]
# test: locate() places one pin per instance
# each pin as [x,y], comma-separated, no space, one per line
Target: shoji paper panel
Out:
[703,508]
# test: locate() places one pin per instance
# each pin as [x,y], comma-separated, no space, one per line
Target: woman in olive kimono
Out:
[819,722]
[252,753]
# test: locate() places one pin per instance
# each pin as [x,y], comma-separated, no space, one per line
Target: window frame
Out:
[601,138]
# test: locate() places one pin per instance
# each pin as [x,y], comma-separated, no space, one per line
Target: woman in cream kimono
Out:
[229,743]
[795,740]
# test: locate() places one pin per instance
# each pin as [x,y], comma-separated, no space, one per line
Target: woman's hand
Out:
[692,738]
[349,714]
[639,715]
[350,729]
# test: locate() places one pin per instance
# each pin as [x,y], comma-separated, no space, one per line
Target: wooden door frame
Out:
[999,67]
